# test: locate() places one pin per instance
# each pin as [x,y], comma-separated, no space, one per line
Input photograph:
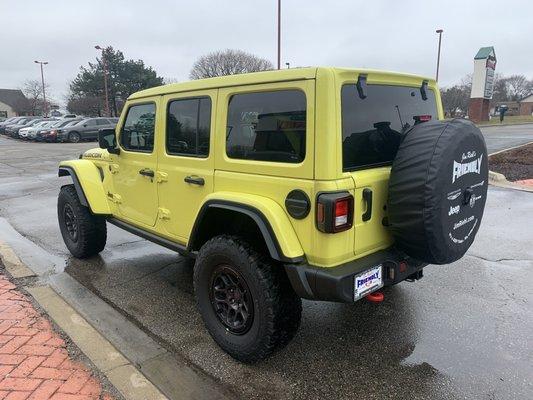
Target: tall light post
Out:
[105,80]
[279,34]
[439,31]
[45,108]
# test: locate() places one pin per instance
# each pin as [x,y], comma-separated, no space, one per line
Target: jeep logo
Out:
[454,210]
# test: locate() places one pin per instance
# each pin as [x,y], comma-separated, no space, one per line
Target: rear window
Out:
[372,127]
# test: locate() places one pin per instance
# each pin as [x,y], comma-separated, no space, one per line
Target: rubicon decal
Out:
[472,167]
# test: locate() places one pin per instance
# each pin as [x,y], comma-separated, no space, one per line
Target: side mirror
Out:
[108,140]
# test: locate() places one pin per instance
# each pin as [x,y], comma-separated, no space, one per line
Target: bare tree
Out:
[228,62]
[518,86]
[33,90]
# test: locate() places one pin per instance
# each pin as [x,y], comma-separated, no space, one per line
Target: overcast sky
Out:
[395,35]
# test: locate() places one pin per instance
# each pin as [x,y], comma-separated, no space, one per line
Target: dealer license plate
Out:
[368,282]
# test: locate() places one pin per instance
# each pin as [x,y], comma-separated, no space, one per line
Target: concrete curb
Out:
[497,179]
[129,381]
[15,267]
[500,125]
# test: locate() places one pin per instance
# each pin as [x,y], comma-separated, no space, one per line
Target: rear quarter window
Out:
[267,126]
[372,127]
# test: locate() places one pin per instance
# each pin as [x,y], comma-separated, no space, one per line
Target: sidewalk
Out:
[34,362]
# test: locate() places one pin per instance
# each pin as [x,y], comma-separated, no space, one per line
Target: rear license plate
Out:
[367,282]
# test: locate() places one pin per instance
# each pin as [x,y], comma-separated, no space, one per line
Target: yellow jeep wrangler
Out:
[316,183]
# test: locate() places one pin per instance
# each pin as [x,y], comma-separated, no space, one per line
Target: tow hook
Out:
[375,297]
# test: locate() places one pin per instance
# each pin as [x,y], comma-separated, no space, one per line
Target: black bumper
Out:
[337,283]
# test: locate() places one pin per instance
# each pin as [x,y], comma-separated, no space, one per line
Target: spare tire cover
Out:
[437,190]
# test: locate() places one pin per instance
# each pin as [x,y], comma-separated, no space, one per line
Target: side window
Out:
[102,122]
[188,127]
[267,126]
[137,133]
[90,122]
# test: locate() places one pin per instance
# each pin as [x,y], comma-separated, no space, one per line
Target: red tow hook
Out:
[375,297]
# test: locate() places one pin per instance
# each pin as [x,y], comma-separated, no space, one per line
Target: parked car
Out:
[50,134]
[31,131]
[12,121]
[86,129]
[13,130]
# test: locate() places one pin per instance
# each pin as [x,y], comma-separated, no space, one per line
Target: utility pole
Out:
[279,34]
[439,31]
[45,108]
[105,80]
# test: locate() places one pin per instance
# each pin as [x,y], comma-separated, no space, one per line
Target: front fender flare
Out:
[277,231]
[88,183]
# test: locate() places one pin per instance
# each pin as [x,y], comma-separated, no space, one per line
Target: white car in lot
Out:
[31,131]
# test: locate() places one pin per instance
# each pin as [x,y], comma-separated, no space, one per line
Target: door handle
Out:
[367,197]
[195,180]
[147,172]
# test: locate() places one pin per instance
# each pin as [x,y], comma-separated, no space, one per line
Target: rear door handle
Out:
[195,180]
[367,197]
[147,172]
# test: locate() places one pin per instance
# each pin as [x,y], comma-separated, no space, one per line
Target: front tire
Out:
[245,299]
[84,233]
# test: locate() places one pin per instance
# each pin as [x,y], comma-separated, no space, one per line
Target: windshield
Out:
[372,128]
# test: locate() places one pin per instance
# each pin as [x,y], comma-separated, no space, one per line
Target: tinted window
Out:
[90,122]
[267,126]
[137,134]
[102,122]
[372,127]
[188,125]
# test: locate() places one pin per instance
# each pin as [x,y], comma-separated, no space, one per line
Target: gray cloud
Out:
[170,35]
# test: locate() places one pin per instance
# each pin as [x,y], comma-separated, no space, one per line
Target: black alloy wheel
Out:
[231,299]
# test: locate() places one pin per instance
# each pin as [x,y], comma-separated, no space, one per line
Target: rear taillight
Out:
[334,212]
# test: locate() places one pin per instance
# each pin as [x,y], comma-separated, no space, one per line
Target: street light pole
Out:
[105,80]
[439,31]
[279,34]
[45,108]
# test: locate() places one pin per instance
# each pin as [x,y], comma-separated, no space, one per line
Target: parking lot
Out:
[464,331]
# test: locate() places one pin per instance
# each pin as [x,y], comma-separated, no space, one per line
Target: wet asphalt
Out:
[464,331]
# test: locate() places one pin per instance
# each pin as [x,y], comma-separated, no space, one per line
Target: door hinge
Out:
[161,177]
[113,168]
[163,213]
[115,198]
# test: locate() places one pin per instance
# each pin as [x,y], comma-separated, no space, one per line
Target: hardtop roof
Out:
[257,78]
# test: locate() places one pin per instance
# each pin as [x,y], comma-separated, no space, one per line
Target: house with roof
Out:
[12,103]
[526,105]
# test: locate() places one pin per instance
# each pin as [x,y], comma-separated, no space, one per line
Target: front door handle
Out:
[367,197]
[195,180]
[147,172]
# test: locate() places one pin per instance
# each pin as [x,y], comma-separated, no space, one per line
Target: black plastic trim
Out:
[151,237]
[258,217]
[64,171]
[337,283]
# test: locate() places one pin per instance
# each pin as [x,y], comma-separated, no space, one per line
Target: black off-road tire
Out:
[276,307]
[84,233]
[74,137]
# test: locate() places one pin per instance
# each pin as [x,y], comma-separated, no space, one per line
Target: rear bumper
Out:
[337,283]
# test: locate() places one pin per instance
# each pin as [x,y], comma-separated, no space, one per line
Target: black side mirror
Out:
[108,140]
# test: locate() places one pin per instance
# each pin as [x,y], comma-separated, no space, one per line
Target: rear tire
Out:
[84,233]
[245,299]
[74,137]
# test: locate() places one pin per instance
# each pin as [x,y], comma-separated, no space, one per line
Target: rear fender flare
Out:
[273,223]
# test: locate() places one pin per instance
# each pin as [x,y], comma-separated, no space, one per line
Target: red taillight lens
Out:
[341,212]
[334,212]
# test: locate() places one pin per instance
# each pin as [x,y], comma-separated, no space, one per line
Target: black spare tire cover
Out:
[437,190]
